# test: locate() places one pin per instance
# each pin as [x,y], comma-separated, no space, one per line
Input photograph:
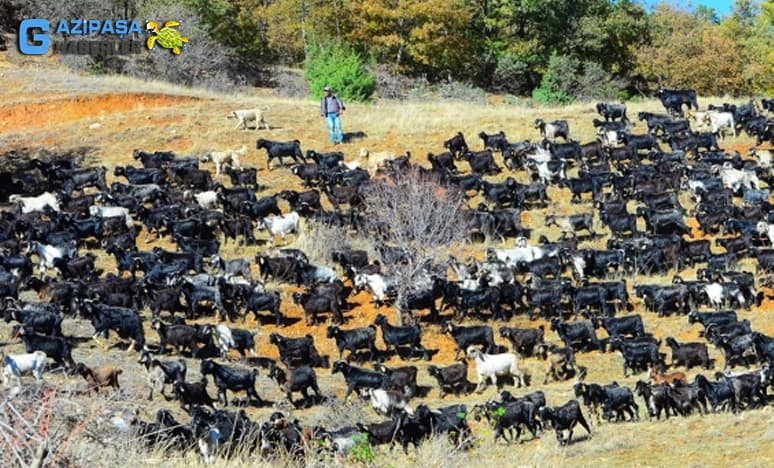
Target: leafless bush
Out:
[393,85]
[57,10]
[319,240]
[43,425]
[336,413]
[413,210]
[289,83]
[202,62]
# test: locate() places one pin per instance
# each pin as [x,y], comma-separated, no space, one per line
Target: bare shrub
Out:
[57,10]
[202,62]
[319,240]
[43,425]
[392,85]
[461,91]
[289,83]
[336,413]
[414,211]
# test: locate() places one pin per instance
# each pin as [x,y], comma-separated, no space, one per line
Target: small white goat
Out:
[207,200]
[719,121]
[376,285]
[351,165]
[490,366]
[282,225]
[16,365]
[39,203]
[717,294]
[48,254]
[735,178]
[112,211]
[766,229]
[764,157]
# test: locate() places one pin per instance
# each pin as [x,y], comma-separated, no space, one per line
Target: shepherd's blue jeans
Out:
[334,128]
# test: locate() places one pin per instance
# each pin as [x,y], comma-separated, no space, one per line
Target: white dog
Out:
[221,158]
[245,116]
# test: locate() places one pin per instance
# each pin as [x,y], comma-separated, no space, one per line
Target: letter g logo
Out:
[40,42]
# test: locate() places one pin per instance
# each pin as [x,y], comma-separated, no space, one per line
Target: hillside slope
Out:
[45,107]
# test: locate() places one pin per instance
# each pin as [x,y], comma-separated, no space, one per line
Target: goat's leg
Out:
[480,386]
[425,354]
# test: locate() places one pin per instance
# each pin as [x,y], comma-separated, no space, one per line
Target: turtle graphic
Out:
[166,37]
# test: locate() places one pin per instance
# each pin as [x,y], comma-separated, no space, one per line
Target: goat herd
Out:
[59,208]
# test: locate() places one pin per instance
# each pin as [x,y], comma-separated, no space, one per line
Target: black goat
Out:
[298,351]
[357,338]
[564,417]
[452,378]
[55,347]
[301,379]
[278,150]
[358,378]
[397,336]
[193,393]
[231,378]
[466,336]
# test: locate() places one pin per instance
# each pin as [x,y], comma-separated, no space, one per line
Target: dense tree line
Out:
[507,46]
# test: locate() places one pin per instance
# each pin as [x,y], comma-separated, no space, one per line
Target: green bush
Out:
[558,83]
[512,74]
[362,452]
[567,80]
[549,93]
[595,83]
[341,68]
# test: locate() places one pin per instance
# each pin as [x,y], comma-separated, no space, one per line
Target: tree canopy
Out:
[502,46]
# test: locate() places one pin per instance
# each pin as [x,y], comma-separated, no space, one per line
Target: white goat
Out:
[608,138]
[490,366]
[735,178]
[207,200]
[521,253]
[719,121]
[112,211]
[764,157]
[766,229]
[39,203]
[47,254]
[376,285]
[282,225]
[224,340]
[717,293]
[387,401]
[351,165]
[16,365]
[245,116]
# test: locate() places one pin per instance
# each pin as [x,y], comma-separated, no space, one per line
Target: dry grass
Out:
[158,116]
